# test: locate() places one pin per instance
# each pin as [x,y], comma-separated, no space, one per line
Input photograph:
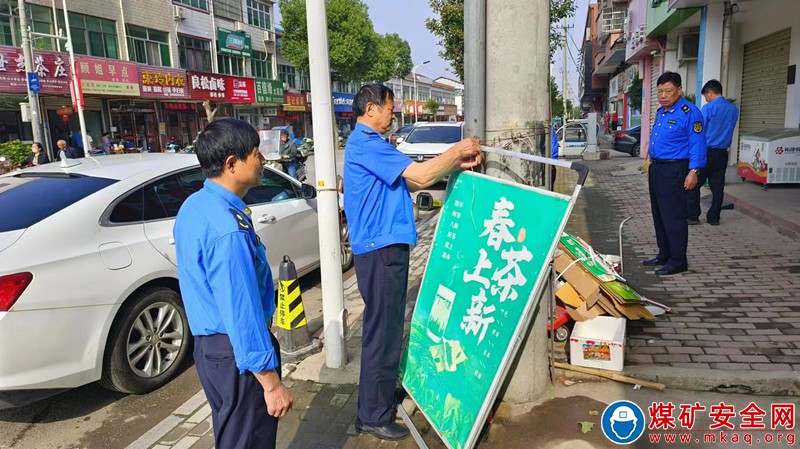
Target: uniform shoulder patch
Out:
[686,108]
[240,219]
[698,127]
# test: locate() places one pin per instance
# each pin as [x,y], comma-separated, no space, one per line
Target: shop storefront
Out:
[343,110]
[293,113]
[223,91]
[54,75]
[264,113]
[166,85]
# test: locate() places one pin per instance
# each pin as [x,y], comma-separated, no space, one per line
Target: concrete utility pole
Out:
[333,313]
[75,82]
[33,97]
[517,114]
[475,68]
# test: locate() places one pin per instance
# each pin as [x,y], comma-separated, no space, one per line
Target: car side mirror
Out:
[424,201]
[400,140]
[308,191]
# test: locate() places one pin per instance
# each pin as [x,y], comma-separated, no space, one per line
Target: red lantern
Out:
[64,112]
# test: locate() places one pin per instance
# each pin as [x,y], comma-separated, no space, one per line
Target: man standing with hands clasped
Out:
[227,289]
[720,120]
[377,202]
[677,153]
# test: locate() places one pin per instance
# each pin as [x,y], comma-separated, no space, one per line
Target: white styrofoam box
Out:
[598,343]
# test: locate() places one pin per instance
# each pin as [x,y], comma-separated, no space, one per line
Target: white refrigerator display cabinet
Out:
[771,156]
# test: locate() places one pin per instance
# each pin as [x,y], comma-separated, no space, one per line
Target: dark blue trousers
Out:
[668,204]
[714,171]
[238,412]
[383,282]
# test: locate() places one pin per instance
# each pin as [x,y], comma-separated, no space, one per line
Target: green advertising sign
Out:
[488,260]
[269,91]
[236,43]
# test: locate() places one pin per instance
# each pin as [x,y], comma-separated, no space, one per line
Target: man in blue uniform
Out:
[720,117]
[378,206]
[677,153]
[227,289]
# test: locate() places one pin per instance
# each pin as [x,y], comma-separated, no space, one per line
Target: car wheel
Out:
[148,343]
[344,241]
[635,150]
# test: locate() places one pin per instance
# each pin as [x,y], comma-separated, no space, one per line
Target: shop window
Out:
[258,14]
[230,65]
[194,54]
[92,36]
[230,9]
[305,80]
[286,73]
[199,4]
[148,46]
[39,19]
[261,65]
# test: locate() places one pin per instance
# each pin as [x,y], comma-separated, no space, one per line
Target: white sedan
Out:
[428,140]
[88,282]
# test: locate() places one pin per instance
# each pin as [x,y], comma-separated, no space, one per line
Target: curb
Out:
[783,226]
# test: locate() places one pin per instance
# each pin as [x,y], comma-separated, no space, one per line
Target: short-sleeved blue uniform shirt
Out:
[225,280]
[720,119]
[377,202]
[679,133]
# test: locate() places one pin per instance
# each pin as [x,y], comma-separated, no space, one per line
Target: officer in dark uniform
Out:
[377,202]
[227,289]
[677,153]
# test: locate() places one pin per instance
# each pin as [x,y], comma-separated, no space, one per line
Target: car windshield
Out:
[404,130]
[33,197]
[435,134]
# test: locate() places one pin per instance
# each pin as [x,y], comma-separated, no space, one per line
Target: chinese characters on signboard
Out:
[205,86]
[107,77]
[269,91]
[52,68]
[160,82]
[294,102]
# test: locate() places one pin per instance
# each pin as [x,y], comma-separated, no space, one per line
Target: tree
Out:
[356,51]
[393,58]
[431,106]
[635,93]
[449,28]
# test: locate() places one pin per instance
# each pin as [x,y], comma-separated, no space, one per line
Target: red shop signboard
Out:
[107,76]
[224,88]
[162,83]
[52,67]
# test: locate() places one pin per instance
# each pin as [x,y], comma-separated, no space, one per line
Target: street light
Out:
[416,97]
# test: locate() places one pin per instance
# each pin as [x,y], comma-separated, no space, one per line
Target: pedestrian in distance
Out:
[720,117]
[69,152]
[677,153]
[614,121]
[228,292]
[377,203]
[37,157]
[105,142]
[288,152]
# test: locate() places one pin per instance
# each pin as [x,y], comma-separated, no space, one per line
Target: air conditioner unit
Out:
[269,36]
[177,13]
[239,26]
[688,46]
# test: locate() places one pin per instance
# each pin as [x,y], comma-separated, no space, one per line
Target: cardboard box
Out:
[581,281]
[582,313]
[598,343]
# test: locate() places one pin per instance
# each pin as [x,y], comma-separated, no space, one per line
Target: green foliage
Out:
[635,93]
[15,150]
[691,98]
[449,28]
[357,53]
[431,106]
[557,102]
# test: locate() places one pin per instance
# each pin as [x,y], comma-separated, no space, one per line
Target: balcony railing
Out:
[612,20]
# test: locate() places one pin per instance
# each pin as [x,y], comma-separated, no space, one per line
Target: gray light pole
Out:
[33,97]
[416,96]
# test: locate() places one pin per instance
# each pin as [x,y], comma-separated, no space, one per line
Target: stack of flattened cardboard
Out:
[591,287]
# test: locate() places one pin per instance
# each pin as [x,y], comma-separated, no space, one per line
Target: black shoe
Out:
[654,262]
[669,270]
[392,431]
[713,223]
[693,221]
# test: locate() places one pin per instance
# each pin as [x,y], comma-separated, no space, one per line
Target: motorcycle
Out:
[276,162]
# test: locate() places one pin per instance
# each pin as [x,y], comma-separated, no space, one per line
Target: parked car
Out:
[401,134]
[429,140]
[88,268]
[627,141]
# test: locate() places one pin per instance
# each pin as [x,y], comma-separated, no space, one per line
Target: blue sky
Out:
[407,18]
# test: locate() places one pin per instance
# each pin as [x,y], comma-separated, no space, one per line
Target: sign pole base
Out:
[411,428]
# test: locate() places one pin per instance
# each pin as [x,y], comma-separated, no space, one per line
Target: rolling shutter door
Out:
[655,72]
[763,103]
[54,102]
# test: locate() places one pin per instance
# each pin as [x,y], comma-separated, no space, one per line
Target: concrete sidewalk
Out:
[734,328]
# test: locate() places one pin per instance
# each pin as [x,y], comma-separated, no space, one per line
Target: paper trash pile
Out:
[592,287]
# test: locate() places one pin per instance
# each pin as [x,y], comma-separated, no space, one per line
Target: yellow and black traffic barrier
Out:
[293,334]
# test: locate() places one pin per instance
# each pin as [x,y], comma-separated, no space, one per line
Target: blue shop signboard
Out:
[343,102]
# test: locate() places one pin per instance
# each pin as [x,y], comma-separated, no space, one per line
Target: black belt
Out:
[718,149]
[668,161]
